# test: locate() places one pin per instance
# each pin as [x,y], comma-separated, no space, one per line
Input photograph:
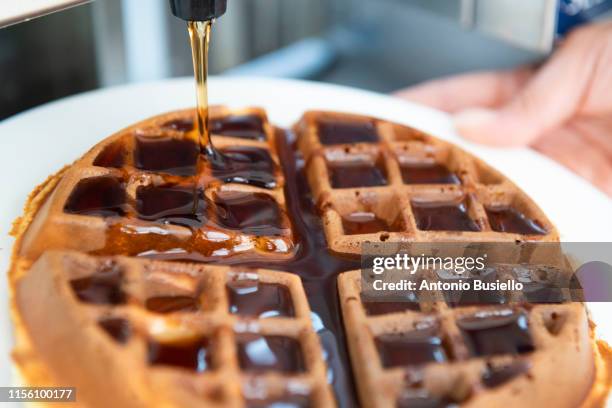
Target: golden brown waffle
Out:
[376,181]
[180,328]
[135,192]
[154,217]
[441,353]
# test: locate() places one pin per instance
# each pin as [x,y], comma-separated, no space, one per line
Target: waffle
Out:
[187,329]
[440,353]
[377,181]
[137,190]
[143,193]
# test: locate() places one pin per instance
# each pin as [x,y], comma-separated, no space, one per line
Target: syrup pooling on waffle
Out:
[206,334]
[151,213]
[149,189]
[377,181]
[451,348]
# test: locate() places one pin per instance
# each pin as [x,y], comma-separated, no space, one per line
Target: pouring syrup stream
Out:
[199,35]
[223,165]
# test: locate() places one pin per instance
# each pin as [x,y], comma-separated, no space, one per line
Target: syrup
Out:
[240,126]
[171,205]
[102,196]
[428,173]
[170,304]
[411,348]
[199,35]
[252,298]
[471,297]
[359,174]
[248,127]
[166,154]
[103,287]
[246,165]
[540,285]
[495,376]
[118,329]
[230,167]
[507,219]
[251,213]
[333,132]
[443,217]
[311,259]
[191,354]
[258,353]
[501,332]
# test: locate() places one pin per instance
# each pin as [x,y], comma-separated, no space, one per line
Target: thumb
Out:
[551,97]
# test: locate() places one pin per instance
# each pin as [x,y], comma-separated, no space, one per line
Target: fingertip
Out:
[476,125]
[491,127]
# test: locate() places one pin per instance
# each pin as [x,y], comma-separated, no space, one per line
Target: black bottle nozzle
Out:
[198,10]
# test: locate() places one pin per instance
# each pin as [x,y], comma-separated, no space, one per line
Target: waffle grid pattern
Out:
[225,383]
[476,186]
[126,232]
[457,376]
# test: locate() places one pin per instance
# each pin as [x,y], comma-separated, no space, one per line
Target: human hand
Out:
[562,109]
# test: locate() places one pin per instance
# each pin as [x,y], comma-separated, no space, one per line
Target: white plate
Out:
[39,142]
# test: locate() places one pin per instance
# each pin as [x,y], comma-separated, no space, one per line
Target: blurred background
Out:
[380,45]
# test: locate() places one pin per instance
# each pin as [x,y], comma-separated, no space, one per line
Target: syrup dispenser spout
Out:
[198,10]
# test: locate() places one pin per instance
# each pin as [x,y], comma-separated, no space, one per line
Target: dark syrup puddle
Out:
[313,262]
[244,165]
